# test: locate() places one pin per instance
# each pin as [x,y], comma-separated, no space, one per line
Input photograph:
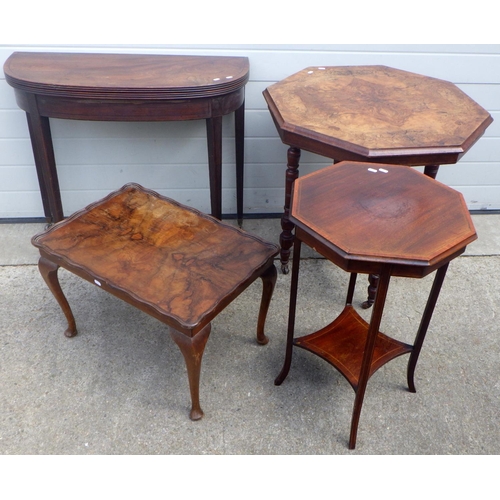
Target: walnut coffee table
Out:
[129,87]
[173,262]
[382,219]
[370,113]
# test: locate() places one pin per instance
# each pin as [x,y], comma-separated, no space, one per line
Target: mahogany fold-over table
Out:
[370,113]
[129,87]
[383,219]
[171,261]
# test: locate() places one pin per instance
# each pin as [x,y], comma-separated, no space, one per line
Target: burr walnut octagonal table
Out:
[383,219]
[177,264]
[371,113]
[129,87]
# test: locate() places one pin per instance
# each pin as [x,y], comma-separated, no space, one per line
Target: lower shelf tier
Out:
[342,344]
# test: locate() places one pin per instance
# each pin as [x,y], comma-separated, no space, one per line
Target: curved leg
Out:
[424,324]
[192,349]
[268,282]
[371,338]
[239,132]
[48,270]
[291,313]
[214,140]
[286,237]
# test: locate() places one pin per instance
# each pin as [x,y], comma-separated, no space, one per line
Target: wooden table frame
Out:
[128,87]
[170,261]
[370,220]
[370,113]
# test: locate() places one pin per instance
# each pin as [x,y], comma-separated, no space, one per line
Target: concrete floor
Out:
[120,386]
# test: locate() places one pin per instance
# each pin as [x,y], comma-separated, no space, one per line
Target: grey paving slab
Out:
[120,386]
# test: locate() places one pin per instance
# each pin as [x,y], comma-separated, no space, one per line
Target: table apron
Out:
[94,109]
[399,157]
[364,265]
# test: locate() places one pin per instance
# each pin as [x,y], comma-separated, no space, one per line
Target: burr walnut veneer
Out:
[371,113]
[129,87]
[383,219]
[170,261]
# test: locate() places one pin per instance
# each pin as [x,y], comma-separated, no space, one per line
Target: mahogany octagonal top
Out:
[363,216]
[375,113]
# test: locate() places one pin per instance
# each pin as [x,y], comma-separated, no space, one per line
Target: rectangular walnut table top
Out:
[174,260]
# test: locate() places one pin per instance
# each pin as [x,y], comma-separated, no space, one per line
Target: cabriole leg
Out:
[192,349]
[48,270]
[268,282]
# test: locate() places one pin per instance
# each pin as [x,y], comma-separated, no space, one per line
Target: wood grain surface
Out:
[376,108]
[175,259]
[384,213]
[101,76]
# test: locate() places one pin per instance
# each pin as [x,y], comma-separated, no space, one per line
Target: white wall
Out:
[95,158]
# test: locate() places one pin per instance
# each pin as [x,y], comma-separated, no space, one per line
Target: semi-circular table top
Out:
[112,76]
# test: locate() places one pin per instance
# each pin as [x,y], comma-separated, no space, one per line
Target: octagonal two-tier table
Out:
[382,219]
[129,87]
[370,113]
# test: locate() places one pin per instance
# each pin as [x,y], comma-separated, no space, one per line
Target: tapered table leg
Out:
[239,132]
[214,141]
[43,153]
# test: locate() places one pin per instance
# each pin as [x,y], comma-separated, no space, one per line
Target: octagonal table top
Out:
[386,214]
[375,112]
